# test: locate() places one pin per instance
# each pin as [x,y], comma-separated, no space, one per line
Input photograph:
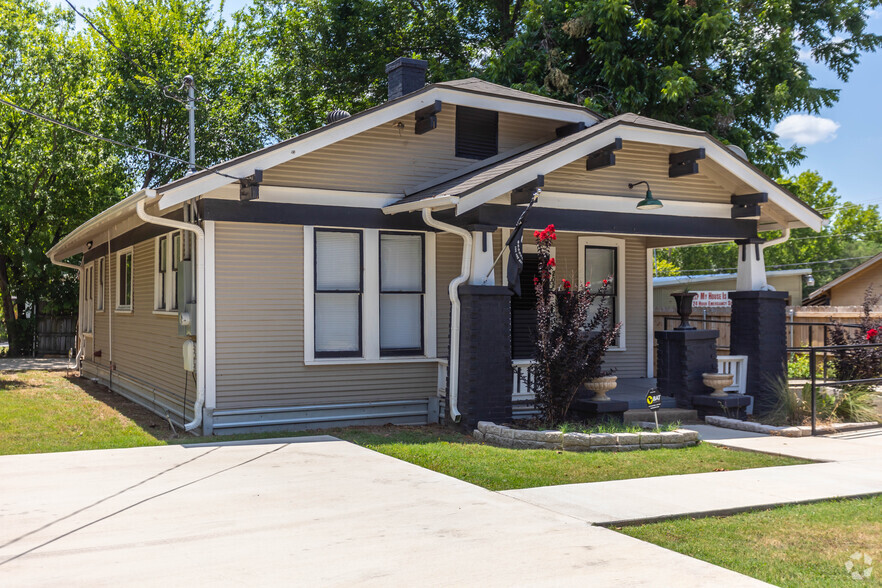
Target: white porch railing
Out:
[522,397]
[737,366]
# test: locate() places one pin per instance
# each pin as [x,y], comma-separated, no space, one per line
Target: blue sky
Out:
[842,143]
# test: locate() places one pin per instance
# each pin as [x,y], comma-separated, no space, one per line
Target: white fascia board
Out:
[722,156]
[435,203]
[317,196]
[572,201]
[284,153]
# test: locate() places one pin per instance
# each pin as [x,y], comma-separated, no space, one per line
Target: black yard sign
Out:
[653,399]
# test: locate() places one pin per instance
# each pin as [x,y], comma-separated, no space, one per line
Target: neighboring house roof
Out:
[661,282]
[823,290]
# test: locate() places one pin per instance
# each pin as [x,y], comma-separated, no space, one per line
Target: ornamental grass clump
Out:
[573,332]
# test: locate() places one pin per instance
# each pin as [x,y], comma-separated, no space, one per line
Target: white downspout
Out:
[785,235]
[453,291]
[200,306]
[81,347]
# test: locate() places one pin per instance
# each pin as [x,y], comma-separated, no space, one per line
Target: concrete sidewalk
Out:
[21,364]
[315,511]
[853,469]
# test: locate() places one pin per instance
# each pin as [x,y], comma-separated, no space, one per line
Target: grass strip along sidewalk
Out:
[51,411]
[806,545]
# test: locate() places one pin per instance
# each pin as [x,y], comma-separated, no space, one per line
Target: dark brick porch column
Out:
[759,331]
[485,375]
[683,356]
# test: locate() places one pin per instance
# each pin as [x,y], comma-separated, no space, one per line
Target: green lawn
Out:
[46,411]
[801,545]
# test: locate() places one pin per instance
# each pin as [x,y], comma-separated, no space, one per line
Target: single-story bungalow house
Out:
[352,274]
[849,288]
[789,280]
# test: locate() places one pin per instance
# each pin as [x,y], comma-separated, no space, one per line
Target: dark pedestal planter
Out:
[733,406]
[759,331]
[683,357]
[485,355]
[599,411]
[684,309]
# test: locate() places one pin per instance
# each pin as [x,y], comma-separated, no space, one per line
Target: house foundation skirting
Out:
[419,411]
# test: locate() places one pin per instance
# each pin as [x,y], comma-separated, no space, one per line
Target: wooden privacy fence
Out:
[56,334]
[806,325]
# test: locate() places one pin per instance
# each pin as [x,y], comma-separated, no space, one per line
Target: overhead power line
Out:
[717,270]
[164,88]
[51,120]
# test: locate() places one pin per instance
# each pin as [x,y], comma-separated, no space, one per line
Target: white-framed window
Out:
[165,282]
[402,290]
[89,298]
[100,274]
[124,268]
[369,295]
[603,258]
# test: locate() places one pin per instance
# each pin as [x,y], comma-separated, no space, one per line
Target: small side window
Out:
[124,282]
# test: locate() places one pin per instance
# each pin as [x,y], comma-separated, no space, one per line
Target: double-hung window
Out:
[99,296]
[168,253]
[369,295]
[88,298]
[402,288]
[124,280]
[602,258]
[338,292]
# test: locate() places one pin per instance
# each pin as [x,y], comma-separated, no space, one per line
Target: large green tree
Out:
[732,68]
[51,179]
[150,46]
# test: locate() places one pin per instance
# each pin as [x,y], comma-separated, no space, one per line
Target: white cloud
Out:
[805,129]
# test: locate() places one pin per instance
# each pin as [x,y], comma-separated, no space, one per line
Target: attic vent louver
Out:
[336,115]
[405,76]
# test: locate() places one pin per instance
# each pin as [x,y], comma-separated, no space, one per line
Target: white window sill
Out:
[165,312]
[363,361]
[123,310]
[617,349]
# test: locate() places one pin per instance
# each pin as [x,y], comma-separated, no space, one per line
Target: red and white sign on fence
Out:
[712,299]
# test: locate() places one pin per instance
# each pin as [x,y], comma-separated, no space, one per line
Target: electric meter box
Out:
[190,356]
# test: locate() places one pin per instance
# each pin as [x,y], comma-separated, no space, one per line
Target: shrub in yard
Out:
[573,332]
[861,361]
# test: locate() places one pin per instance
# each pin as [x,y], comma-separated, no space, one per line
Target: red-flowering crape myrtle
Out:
[573,332]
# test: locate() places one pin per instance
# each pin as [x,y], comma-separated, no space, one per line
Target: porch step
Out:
[665,415]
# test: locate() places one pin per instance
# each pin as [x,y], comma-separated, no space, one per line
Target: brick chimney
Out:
[405,76]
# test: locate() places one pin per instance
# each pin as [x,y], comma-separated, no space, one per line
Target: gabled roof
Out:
[845,277]
[467,92]
[519,167]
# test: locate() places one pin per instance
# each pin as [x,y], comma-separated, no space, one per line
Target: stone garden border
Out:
[720,421]
[502,436]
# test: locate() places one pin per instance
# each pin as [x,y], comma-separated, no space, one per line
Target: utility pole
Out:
[190,84]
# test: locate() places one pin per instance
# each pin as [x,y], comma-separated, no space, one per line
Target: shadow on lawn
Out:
[151,423]
[13,383]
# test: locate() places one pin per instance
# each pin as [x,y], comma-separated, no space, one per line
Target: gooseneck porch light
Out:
[648,202]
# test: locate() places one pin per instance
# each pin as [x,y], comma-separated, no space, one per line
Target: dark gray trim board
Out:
[214,209]
[620,223]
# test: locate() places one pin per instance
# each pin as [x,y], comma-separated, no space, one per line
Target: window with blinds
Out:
[338,293]
[477,133]
[402,288]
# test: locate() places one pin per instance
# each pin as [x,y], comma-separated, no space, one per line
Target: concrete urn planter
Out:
[600,386]
[718,382]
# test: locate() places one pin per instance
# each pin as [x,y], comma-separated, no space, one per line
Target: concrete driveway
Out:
[315,511]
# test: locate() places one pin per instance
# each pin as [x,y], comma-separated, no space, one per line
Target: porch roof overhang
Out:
[479,187]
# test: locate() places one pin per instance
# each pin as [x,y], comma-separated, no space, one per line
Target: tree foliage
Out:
[730,68]
[853,234]
[51,179]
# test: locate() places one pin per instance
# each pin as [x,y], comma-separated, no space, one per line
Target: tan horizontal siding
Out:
[386,159]
[638,161]
[259,285]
